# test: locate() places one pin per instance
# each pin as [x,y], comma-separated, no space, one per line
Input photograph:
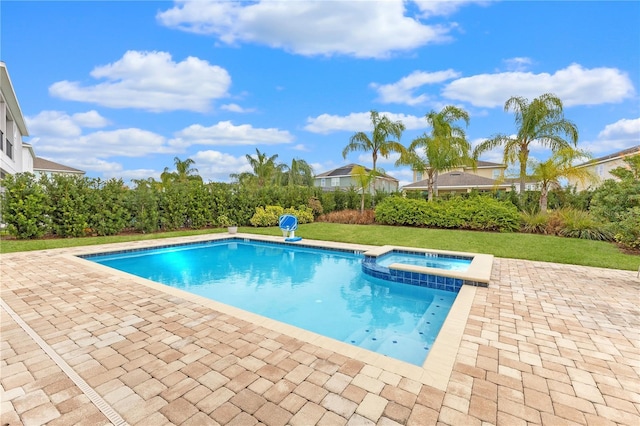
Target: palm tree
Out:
[541,121]
[184,172]
[558,166]
[365,179]
[298,173]
[445,148]
[382,141]
[265,169]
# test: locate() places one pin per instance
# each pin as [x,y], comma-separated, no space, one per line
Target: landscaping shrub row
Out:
[476,213]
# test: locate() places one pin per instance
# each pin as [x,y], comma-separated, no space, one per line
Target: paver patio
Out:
[543,344]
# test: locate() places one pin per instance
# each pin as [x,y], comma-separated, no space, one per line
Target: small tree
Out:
[364,179]
[558,166]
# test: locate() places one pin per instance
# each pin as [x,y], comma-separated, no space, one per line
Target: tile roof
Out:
[40,164]
[347,171]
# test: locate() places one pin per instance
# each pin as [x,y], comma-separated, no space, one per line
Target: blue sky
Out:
[120,88]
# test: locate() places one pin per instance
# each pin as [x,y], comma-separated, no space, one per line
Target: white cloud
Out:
[130,142]
[217,166]
[443,7]
[622,134]
[518,63]
[575,85]
[151,81]
[341,27]
[235,108]
[226,133]
[358,122]
[402,91]
[61,124]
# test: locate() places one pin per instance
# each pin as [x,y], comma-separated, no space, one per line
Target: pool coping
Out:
[436,369]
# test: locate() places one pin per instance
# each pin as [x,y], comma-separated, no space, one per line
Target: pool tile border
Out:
[435,371]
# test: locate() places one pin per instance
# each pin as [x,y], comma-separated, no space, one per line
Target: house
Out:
[42,167]
[485,177]
[457,182]
[15,156]
[343,178]
[485,169]
[601,167]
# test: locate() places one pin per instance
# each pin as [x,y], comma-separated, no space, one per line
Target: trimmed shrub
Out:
[269,215]
[24,206]
[476,213]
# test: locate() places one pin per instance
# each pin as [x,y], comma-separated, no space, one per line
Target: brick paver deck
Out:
[544,344]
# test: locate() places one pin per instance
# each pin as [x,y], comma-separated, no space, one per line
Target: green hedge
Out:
[476,213]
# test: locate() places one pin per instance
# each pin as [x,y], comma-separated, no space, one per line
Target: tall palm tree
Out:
[445,148]
[541,121]
[298,173]
[560,165]
[385,138]
[184,172]
[265,169]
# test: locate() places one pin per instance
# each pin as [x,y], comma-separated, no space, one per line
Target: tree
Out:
[446,146]
[184,172]
[540,121]
[365,179]
[265,169]
[299,173]
[558,166]
[382,138]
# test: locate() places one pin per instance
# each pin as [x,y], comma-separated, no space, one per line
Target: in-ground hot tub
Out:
[440,269]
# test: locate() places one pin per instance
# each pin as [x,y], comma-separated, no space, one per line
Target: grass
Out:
[513,245]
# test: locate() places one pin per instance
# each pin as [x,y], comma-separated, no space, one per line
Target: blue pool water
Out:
[323,291]
[429,260]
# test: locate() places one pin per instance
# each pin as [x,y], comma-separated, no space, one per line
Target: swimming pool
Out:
[324,291]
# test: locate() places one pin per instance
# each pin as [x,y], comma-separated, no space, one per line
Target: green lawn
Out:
[513,245]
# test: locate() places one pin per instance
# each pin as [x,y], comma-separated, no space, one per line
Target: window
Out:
[323,182]
[496,173]
[1,141]
[419,176]
[600,170]
[335,181]
[9,147]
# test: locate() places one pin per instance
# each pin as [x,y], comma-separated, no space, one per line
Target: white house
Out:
[601,167]
[15,156]
[343,178]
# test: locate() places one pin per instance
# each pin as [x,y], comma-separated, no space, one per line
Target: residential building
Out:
[42,167]
[485,169]
[485,177]
[15,157]
[343,178]
[457,182]
[601,167]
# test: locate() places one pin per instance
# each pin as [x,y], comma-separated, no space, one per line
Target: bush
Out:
[476,213]
[534,223]
[353,217]
[69,200]
[627,230]
[269,215]
[24,206]
[579,224]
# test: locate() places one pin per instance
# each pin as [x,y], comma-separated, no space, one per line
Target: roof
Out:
[625,152]
[40,164]
[12,101]
[457,179]
[488,164]
[348,171]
